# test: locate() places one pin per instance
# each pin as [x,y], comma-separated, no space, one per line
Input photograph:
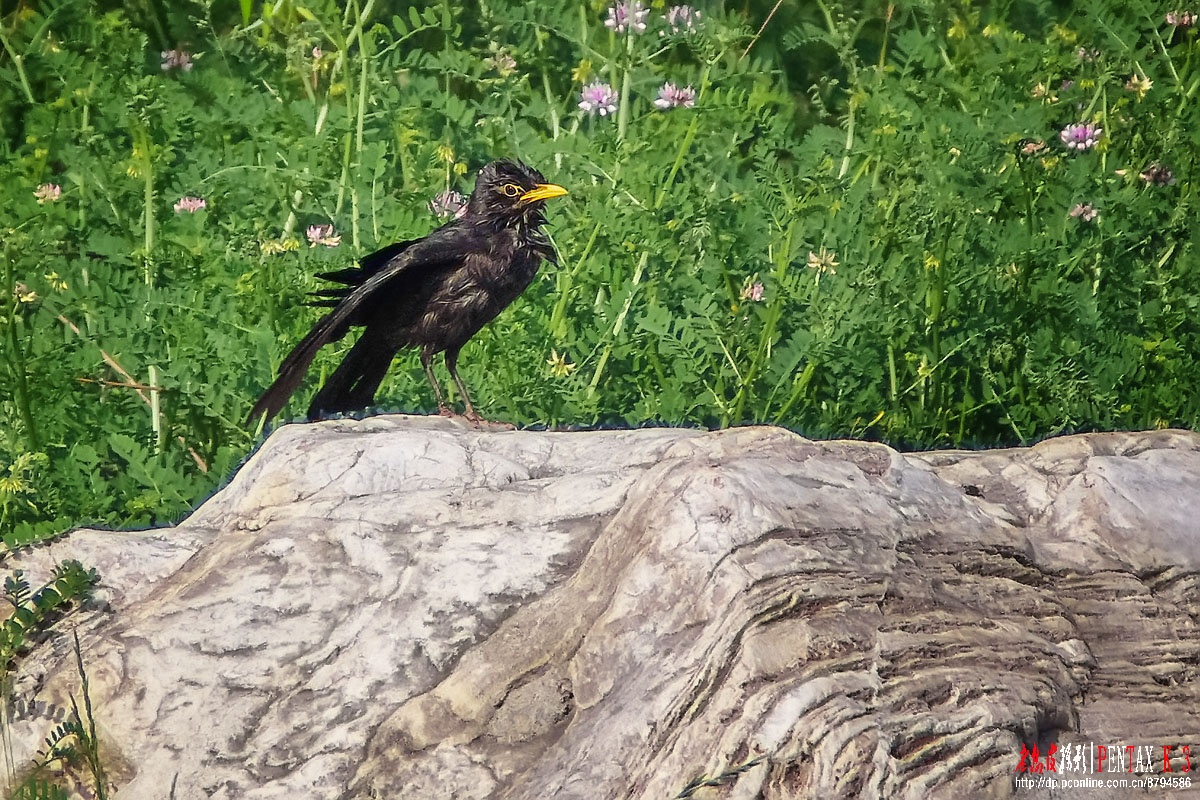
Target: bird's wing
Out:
[419,258]
[354,276]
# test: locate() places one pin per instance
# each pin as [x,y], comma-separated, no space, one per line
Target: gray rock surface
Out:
[406,607]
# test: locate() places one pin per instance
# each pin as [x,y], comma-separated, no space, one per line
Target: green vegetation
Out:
[73,743]
[868,225]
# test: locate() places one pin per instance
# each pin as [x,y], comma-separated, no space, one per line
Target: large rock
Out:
[408,608]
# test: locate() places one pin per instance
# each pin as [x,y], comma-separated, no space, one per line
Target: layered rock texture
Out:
[411,608]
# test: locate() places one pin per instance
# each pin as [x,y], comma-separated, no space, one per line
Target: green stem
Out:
[626,81]
[17,358]
[774,312]
[558,324]
[19,62]
[684,145]
[619,325]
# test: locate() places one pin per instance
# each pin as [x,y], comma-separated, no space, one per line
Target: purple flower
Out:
[1182,19]
[190,204]
[1084,211]
[176,59]
[1080,136]
[598,98]
[1158,175]
[628,15]
[448,204]
[671,96]
[682,19]
[323,234]
[47,193]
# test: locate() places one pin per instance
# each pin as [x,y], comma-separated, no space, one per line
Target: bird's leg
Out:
[427,363]
[452,368]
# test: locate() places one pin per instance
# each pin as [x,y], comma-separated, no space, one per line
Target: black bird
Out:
[433,293]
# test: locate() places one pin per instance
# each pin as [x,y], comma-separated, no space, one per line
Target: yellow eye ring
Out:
[510,189]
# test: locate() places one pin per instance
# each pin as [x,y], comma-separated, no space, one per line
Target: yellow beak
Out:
[543,191]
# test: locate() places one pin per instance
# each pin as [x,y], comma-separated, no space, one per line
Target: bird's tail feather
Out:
[353,384]
[291,371]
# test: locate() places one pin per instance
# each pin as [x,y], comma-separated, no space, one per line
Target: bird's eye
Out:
[510,189]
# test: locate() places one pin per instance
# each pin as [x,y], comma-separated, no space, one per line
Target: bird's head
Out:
[510,190]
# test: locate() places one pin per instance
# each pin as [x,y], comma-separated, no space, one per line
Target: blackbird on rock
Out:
[433,294]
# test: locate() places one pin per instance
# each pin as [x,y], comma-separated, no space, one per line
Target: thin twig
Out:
[132,383]
[763,28]
[122,384]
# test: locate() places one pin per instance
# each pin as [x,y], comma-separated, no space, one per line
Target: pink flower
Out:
[627,15]
[1080,136]
[753,291]
[176,59]
[1084,211]
[1182,19]
[323,234]
[671,96]
[682,19]
[190,204]
[47,193]
[598,98]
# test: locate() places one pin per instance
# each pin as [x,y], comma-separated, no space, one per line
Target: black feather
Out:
[433,293]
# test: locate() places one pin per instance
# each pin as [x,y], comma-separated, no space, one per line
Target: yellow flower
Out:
[1066,34]
[55,281]
[24,294]
[445,153]
[932,261]
[991,30]
[582,72]
[958,30]
[559,366]
[274,247]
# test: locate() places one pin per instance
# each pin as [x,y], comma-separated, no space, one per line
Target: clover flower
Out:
[1158,175]
[448,204]
[671,96]
[190,204]
[176,59]
[1139,84]
[1084,211]
[753,291]
[598,98]
[628,15]
[322,234]
[1181,19]
[682,19]
[1080,136]
[823,261]
[47,193]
